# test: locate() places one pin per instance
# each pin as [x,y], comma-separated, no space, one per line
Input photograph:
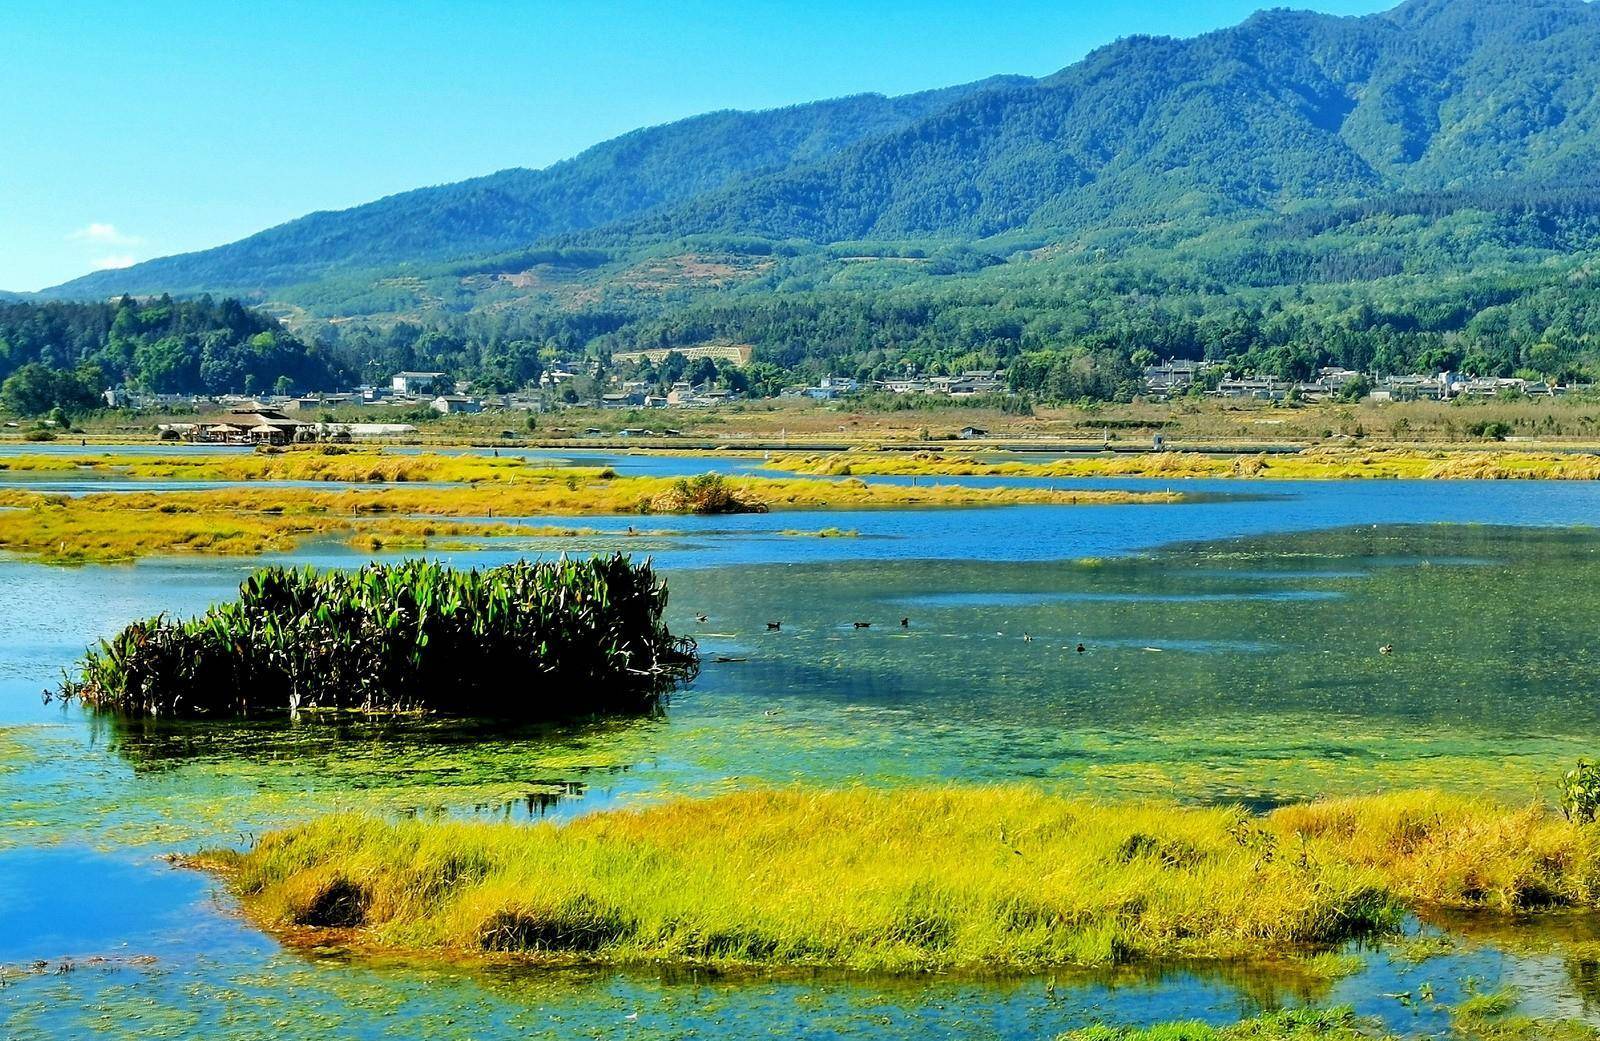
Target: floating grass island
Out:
[550,640]
[910,880]
[1317,464]
[240,521]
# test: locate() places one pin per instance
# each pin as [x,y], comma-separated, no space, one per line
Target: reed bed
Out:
[112,526]
[1318,464]
[958,878]
[550,640]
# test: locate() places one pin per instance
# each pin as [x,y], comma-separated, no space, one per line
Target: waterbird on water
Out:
[905,623]
[1387,648]
[773,627]
[863,625]
[702,619]
[1081,648]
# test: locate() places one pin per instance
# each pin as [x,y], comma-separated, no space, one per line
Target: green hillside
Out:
[514,208]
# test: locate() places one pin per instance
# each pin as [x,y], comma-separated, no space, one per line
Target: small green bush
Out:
[1580,792]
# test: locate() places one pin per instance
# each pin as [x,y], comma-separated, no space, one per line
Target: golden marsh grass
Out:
[246,521]
[908,880]
[1317,464]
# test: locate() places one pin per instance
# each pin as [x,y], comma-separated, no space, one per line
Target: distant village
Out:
[1179,377]
[276,418]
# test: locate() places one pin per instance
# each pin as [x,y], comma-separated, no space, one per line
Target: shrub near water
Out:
[541,640]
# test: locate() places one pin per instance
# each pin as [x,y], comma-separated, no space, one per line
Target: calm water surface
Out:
[1229,654]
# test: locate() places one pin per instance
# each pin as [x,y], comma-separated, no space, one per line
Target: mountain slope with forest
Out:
[514,208]
[1285,109]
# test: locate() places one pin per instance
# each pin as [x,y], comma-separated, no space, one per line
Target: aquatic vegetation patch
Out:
[14,752]
[332,463]
[1318,464]
[1337,1024]
[542,640]
[106,528]
[111,526]
[907,880]
[918,879]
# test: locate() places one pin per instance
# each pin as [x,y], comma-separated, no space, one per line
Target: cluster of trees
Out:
[36,390]
[66,354]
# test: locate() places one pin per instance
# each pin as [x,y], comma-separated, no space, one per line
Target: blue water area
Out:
[1229,652]
[69,902]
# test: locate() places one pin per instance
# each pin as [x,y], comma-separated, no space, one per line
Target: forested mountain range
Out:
[515,208]
[1420,187]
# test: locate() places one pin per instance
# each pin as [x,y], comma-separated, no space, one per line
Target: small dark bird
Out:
[773,627]
[702,619]
[905,623]
[1081,648]
[863,625]
[1027,638]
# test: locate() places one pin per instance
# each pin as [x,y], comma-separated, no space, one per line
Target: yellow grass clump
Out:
[962,878]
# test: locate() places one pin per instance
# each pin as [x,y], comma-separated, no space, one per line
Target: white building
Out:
[410,384]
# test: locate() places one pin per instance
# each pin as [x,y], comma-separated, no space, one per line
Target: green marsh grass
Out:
[911,880]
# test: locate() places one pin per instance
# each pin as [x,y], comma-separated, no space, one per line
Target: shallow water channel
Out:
[1229,655]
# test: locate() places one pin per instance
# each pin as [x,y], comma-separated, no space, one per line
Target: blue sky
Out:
[134,131]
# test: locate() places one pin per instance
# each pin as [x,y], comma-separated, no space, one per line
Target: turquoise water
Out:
[1229,654]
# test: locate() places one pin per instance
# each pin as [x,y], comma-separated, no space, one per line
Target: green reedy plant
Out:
[1580,792]
[534,640]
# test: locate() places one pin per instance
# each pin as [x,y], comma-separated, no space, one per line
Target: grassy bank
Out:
[912,880]
[1318,464]
[246,521]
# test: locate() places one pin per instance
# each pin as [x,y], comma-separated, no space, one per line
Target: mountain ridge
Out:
[518,206]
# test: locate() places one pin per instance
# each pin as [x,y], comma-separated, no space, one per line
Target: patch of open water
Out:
[1238,664]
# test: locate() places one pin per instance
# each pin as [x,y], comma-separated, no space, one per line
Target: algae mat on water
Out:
[1244,671]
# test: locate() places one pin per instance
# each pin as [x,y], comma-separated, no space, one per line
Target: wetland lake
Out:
[1224,650]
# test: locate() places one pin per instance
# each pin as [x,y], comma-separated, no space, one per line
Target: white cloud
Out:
[112,263]
[103,233]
